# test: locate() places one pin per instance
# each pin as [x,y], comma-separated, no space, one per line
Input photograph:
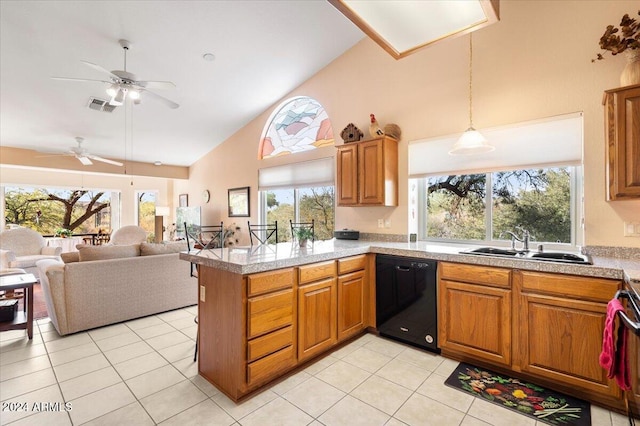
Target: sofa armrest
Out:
[52,281]
[6,257]
[51,251]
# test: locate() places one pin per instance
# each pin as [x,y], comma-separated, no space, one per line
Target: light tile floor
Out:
[142,373]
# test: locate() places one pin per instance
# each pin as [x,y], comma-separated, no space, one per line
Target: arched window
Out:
[299,124]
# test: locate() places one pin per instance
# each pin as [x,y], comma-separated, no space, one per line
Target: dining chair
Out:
[263,233]
[301,225]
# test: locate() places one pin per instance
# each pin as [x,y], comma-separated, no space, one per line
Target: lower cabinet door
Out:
[317,328]
[475,320]
[561,340]
[350,304]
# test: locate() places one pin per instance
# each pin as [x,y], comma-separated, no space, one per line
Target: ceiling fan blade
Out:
[100,69]
[105,160]
[156,84]
[166,101]
[84,160]
[79,79]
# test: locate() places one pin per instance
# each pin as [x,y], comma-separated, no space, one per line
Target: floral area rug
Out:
[526,398]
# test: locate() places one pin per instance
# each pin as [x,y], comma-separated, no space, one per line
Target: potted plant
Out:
[624,39]
[62,232]
[303,234]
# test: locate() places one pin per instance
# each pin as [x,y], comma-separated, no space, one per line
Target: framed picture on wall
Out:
[239,202]
[183,200]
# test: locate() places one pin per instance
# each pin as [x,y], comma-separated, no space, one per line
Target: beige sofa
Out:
[22,248]
[103,285]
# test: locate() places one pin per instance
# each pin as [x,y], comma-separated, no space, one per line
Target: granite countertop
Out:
[247,260]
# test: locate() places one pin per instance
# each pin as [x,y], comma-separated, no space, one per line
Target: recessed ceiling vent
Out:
[100,105]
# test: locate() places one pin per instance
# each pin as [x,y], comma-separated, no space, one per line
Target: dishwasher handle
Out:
[403,268]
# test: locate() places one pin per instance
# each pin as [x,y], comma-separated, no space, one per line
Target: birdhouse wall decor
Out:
[351,133]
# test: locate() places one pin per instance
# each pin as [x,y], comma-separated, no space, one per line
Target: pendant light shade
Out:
[471,141]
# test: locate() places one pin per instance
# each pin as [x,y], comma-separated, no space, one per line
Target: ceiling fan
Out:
[85,157]
[123,83]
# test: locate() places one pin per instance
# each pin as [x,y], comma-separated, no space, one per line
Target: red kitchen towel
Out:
[614,354]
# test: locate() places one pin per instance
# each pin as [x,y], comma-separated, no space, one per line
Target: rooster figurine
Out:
[392,130]
[374,127]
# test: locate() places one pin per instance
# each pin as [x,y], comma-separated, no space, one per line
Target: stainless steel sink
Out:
[561,257]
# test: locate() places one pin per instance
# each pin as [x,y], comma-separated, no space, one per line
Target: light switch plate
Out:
[632,229]
[202,293]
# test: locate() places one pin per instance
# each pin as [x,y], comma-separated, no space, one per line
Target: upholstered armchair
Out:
[22,248]
[128,235]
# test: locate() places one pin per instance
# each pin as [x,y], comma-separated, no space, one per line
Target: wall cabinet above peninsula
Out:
[622,129]
[368,173]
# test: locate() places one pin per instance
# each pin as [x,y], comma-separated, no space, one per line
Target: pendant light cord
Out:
[471,80]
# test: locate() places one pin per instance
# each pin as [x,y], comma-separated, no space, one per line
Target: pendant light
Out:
[471,141]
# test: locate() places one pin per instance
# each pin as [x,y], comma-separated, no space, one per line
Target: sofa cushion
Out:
[72,256]
[149,249]
[90,253]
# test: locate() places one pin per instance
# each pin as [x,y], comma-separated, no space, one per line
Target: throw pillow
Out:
[89,253]
[70,257]
[150,249]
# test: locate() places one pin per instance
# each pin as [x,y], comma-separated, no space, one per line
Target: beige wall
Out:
[126,185]
[534,63]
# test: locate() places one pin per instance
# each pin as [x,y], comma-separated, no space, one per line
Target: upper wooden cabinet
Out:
[368,173]
[622,129]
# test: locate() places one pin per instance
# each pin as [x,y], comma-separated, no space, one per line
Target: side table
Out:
[22,320]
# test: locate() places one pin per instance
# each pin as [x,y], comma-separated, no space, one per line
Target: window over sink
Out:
[482,207]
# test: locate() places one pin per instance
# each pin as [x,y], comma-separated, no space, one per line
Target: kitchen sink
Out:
[552,256]
[561,257]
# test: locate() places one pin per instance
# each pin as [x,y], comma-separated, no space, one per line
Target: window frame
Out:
[576,212]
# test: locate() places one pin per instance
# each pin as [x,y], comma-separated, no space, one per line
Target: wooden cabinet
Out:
[317,309]
[270,317]
[351,286]
[475,312]
[622,130]
[560,323]
[368,173]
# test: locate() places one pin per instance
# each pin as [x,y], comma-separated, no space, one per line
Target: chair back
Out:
[303,225]
[204,236]
[22,241]
[262,233]
[128,235]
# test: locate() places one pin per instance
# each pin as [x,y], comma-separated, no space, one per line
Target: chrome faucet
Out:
[526,236]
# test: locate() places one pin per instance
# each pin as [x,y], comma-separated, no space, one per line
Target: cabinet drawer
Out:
[317,271]
[269,312]
[269,366]
[596,289]
[269,343]
[269,281]
[496,277]
[351,264]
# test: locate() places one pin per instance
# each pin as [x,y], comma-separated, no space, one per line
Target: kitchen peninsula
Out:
[265,310]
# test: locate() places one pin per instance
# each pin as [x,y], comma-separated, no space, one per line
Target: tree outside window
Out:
[458,207]
[47,210]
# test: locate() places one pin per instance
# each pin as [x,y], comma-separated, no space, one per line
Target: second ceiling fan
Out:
[123,84]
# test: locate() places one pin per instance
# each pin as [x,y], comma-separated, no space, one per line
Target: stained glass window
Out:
[299,124]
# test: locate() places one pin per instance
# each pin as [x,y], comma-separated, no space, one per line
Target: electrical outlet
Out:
[380,223]
[387,223]
[632,229]
[202,293]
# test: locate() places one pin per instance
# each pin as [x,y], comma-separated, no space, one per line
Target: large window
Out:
[146,206]
[300,205]
[484,206]
[47,210]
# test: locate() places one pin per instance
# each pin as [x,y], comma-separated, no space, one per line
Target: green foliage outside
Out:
[315,203]
[78,211]
[538,200]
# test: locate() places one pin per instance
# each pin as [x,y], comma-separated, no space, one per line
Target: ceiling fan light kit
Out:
[123,84]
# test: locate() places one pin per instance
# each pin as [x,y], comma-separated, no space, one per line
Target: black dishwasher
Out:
[406,305]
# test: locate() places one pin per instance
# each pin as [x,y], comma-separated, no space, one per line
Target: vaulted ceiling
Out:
[262,50]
